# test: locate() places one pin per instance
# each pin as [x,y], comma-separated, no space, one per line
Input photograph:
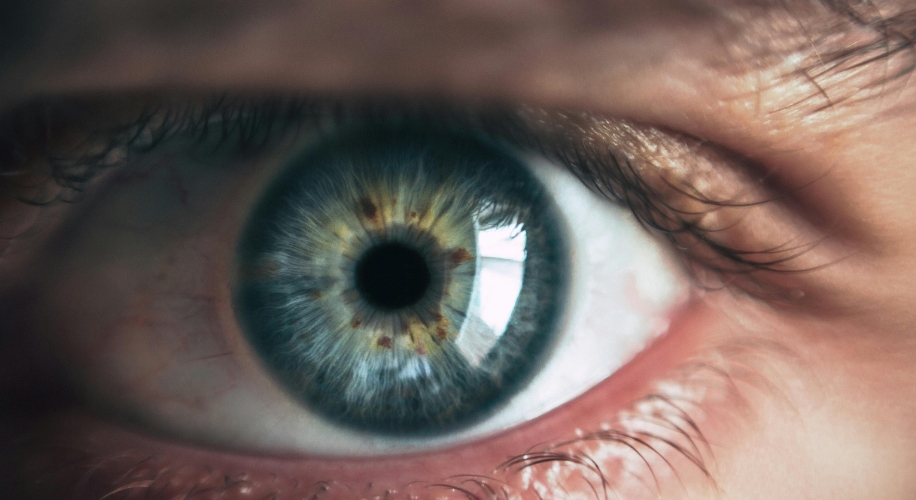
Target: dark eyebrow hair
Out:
[881,60]
[879,48]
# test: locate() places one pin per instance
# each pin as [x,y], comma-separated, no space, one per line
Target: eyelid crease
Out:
[696,194]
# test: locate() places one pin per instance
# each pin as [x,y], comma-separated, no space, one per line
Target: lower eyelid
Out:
[107,460]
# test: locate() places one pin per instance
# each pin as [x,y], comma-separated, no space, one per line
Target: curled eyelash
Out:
[47,159]
[671,204]
[30,139]
[668,420]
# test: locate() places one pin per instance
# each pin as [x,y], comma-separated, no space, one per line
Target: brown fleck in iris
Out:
[443,335]
[368,208]
[356,322]
[315,295]
[385,342]
[461,256]
[413,215]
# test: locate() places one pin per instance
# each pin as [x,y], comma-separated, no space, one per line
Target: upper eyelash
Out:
[27,135]
[613,176]
[248,125]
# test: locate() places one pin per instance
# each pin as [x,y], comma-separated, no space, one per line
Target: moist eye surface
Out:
[402,279]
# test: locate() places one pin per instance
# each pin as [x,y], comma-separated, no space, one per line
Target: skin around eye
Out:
[643,424]
[824,405]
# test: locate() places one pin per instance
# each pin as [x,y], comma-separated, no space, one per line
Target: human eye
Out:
[253,220]
[399,274]
[769,191]
[226,282]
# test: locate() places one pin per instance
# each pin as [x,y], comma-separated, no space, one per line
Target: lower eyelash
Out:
[642,452]
[642,441]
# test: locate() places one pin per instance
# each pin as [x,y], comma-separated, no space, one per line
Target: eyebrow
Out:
[881,54]
[884,32]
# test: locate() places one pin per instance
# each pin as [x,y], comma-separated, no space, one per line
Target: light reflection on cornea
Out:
[500,272]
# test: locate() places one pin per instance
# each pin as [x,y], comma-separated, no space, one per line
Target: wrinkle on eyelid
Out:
[319,35]
[477,49]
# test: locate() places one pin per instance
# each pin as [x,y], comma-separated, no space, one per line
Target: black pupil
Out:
[392,276]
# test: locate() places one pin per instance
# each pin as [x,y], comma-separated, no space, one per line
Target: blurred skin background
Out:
[792,364]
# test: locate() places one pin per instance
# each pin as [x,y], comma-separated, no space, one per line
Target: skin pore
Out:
[784,381]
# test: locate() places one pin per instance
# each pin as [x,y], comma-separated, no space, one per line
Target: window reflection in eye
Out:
[361,276]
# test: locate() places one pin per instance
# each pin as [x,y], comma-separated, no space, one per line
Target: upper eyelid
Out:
[610,156]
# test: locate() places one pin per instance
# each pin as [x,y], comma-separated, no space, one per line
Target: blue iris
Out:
[403,279]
